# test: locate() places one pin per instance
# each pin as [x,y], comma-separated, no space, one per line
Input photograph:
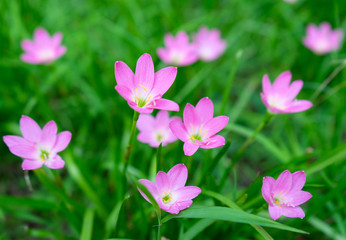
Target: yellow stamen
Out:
[142,87]
[193,129]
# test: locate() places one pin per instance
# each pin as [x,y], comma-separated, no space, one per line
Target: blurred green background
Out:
[77,91]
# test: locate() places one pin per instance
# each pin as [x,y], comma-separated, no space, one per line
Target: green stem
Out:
[158,213]
[249,140]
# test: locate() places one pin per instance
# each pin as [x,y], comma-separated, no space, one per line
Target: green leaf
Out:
[197,228]
[149,196]
[87,227]
[25,202]
[231,215]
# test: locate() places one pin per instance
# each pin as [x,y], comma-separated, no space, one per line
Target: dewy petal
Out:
[282,82]
[144,74]
[15,140]
[266,86]
[162,182]
[62,140]
[177,176]
[215,125]
[30,129]
[298,180]
[55,163]
[214,142]
[190,117]
[268,183]
[178,129]
[123,74]
[293,212]
[165,104]
[146,122]
[284,183]
[275,212]
[299,197]
[24,151]
[48,135]
[298,106]
[205,109]
[164,79]
[190,148]
[186,193]
[125,92]
[29,164]
[151,187]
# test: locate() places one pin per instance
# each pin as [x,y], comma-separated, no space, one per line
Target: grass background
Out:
[77,91]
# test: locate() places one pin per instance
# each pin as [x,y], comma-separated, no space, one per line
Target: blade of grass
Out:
[87,227]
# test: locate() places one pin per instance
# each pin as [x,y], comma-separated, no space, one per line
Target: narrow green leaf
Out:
[87,227]
[149,196]
[197,228]
[25,202]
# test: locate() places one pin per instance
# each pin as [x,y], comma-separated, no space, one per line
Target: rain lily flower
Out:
[323,39]
[209,45]
[143,90]
[199,127]
[155,131]
[38,146]
[43,49]
[285,194]
[280,97]
[169,190]
[178,51]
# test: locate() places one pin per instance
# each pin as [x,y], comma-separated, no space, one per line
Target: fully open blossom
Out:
[38,146]
[280,97]
[169,190]
[178,51]
[143,90]
[323,39]
[200,127]
[155,131]
[285,194]
[43,49]
[209,44]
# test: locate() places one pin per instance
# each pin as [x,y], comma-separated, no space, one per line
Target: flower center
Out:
[159,137]
[196,137]
[141,102]
[197,133]
[44,155]
[167,198]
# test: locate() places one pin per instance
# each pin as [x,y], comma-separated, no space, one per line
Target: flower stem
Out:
[249,140]
[158,213]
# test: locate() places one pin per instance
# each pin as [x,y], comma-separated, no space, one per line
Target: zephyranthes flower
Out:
[38,146]
[143,90]
[43,49]
[169,190]
[200,127]
[279,97]
[155,130]
[285,194]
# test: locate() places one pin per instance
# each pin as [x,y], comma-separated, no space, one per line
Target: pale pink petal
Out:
[182,39]
[268,183]
[60,51]
[282,82]
[165,104]
[298,106]
[41,36]
[123,74]
[293,90]
[144,74]
[214,142]
[164,79]
[190,58]
[183,205]
[177,176]
[190,148]
[30,129]
[15,140]
[169,40]
[147,137]
[284,183]
[48,135]
[299,197]
[150,186]
[190,117]
[293,212]
[29,164]
[178,129]
[146,122]
[275,212]
[30,58]
[162,119]
[162,182]
[55,163]
[28,46]
[215,125]
[25,151]
[205,109]
[265,102]
[298,180]
[164,55]
[186,193]
[56,39]
[144,110]
[125,92]
[62,141]
[266,86]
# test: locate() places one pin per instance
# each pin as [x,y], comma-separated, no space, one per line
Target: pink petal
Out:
[147,137]
[62,140]
[275,212]
[169,40]
[293,212]
[55,163]
[28,46]
[146,122]
[298,180]
[266,86]
[178,129]
[164,79]
[165,104]
[205,109]
[125,92]
[41,36]
[144,74]
[48,135]
[24,151]
[182,39]
[30,129]
[298,106]
[144,110]
[31,164]
[164,55]
[190,148]
[282,82]
[299,197]
[284,183]
[267,186]
[183,205]
[162,119]
[162,183]
[293,90]
[177,176]
[56,39]
[123,74]
[151,187]
[30,58]
[15,140]
[215,125]
[186,193]
[214,142]
[60,51]
[190,117]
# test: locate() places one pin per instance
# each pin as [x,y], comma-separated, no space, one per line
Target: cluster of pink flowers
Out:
[207,46]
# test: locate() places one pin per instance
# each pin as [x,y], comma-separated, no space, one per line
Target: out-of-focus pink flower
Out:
[38,146]
[169,190]
[280,97]
[178,51]
[285,194]
[199,128]
[323,39]
[43,49]
[209,44]
[143,90]
[155,131]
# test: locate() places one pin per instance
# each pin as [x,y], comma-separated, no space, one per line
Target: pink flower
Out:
[143,90]
[179,51]
[38,146]
[285,194]
[280,97]
[199,127]
[155,130]
[323,39]
[43,49]
[169,190]
[209,45]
